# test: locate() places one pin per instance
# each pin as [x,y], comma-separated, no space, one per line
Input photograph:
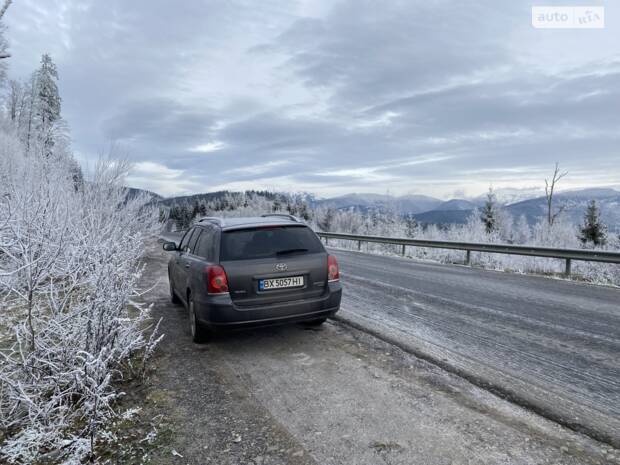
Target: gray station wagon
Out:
[238,272]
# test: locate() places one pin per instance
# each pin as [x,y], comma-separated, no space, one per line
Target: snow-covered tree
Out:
[593,230]
[522,231]
[15,101]
[411,226]
[25,111]
[489,214]
[47,103]
[303,211]
[4,5]
[326,219]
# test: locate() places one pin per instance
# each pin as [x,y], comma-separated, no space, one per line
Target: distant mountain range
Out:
[517,202]
[430,210]
[365,202]
[573,204]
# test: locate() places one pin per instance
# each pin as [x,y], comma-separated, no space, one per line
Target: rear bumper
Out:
[220,311]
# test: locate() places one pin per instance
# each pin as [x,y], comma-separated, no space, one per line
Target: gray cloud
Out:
[332,97]
[369,51]
[145,123]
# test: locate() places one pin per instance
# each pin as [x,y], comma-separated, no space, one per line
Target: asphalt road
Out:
[550,344]
[332,395]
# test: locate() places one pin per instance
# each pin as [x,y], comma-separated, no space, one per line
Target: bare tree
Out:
[15,96]
[549,191]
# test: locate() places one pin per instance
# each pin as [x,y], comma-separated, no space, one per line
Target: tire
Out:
[198,333]
[317,322]
[173,297]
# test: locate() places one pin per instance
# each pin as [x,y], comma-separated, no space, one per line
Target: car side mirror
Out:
[170,246]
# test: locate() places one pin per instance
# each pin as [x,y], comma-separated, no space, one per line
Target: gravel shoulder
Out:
[334,395]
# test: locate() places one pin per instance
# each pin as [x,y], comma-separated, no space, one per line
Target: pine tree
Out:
[47,102]
[489,212]
[39,117]
[593,230]
[48,108]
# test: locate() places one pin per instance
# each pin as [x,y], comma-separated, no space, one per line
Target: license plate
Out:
[280,283]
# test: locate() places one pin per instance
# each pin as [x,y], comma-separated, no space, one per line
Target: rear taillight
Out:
[333,274]
[217,282]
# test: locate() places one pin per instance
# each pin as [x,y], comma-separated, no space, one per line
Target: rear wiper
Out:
[287,251]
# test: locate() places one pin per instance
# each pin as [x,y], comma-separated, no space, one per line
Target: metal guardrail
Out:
[468,247]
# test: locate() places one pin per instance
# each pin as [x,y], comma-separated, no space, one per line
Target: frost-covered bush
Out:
[69,270]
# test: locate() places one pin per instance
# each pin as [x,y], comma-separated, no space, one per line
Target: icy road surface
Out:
[551,344]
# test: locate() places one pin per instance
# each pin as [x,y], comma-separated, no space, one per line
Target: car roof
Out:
[228,224]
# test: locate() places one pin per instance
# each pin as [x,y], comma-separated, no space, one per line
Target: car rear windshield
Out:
[266,242]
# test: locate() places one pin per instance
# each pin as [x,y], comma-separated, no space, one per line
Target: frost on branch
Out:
[69,270]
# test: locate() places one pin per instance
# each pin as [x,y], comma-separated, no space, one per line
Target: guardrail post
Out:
[468,257]
[403,251]
[359,245]
[568,267]
[327,241]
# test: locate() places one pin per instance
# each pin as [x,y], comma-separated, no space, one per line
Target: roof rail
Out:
[282,215]
[213,219]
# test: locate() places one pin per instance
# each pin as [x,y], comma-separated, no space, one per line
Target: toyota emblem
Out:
[281,267]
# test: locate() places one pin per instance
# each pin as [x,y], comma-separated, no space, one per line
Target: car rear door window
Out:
[266,242]
[206,244]
[194,240]
[186,238]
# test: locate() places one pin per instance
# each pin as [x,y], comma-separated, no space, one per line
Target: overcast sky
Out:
[432,97]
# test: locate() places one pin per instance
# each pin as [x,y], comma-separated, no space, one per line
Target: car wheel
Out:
[173,297]
[317,322]
[199,334]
